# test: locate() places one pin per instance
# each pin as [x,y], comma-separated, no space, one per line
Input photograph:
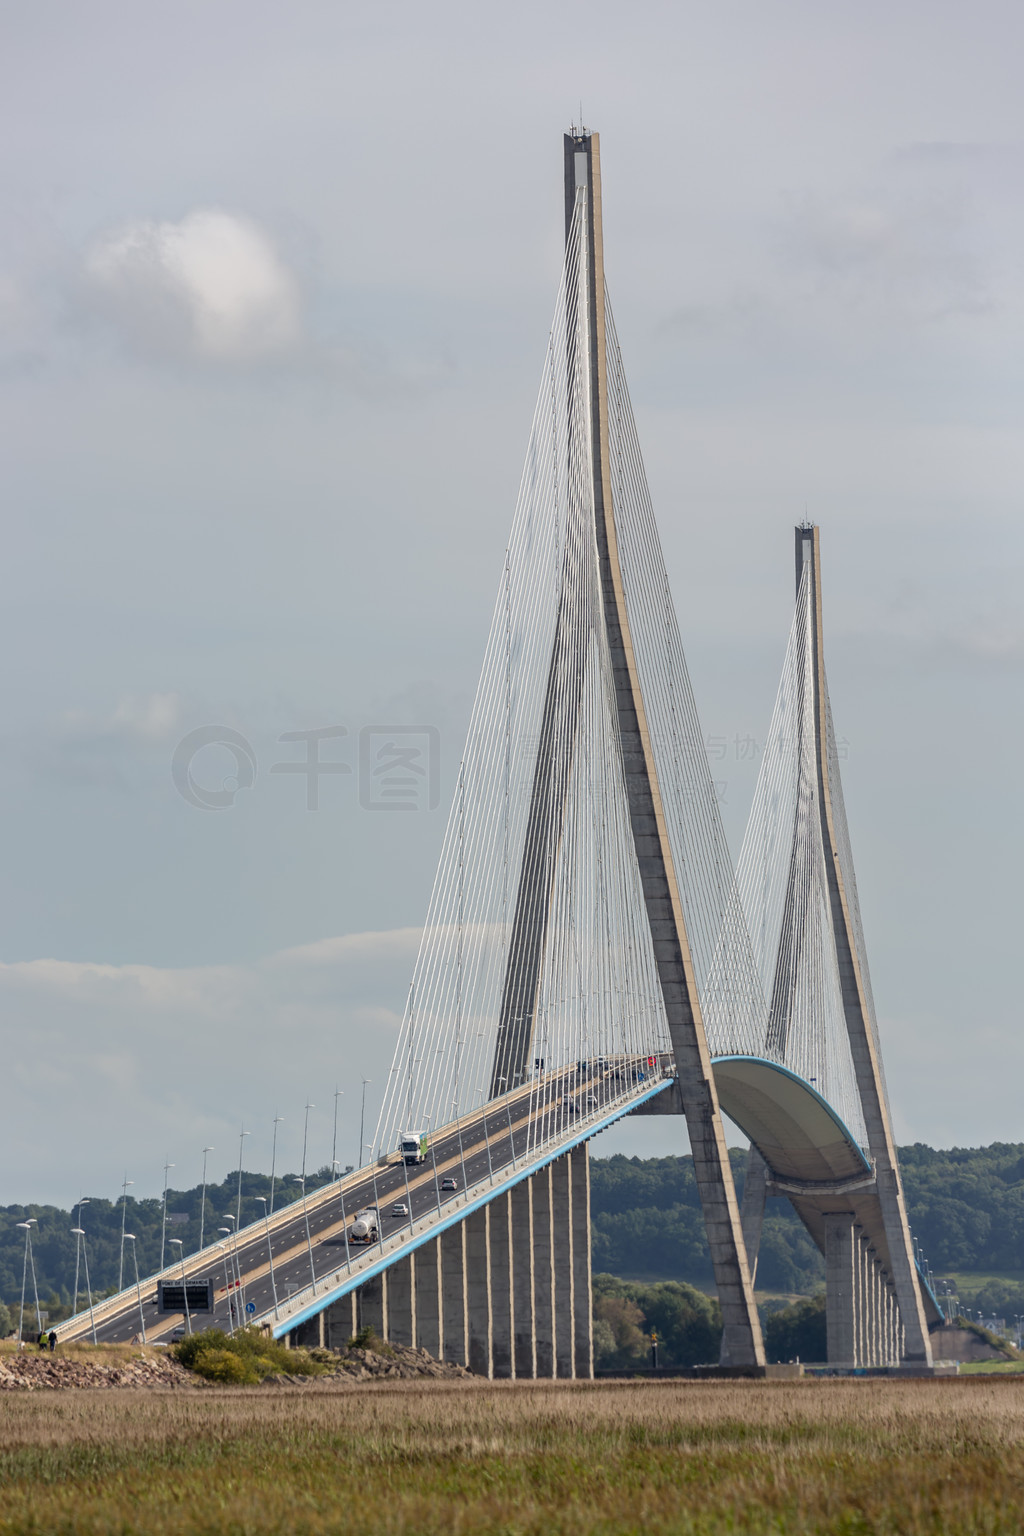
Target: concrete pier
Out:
[478,1290]
[429,1323]
[453,1295]
[524,1330]
[502,1302]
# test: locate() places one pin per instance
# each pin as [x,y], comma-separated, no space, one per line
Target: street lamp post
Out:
[202,1203]
[35,1285]
[80,1234]
[220,1248]
[176,1242]
[376,1197]
[462,1150]
[487,1139]
[241,1144]
[344,1221]
[305,1208]
[305,1139]
[309,1240]
[262,1199]
[362,1121]
[240,1292]
[124,1212]
[274,1158]
[229,1284]
[334,1145]
[408,1193]
[456,1103]
[163,1226]
[511,1132]
[78,1250]
[433,1159]
[27,1225]
[138,1288]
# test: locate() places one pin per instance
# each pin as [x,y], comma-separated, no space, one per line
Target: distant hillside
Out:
[966,1209]
[647,1224]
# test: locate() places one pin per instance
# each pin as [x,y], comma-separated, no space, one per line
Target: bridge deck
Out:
[485,1152]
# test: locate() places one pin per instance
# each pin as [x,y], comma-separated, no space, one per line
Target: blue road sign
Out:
[250,1306]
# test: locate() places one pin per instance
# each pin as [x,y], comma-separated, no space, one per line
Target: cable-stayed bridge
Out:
[589,952]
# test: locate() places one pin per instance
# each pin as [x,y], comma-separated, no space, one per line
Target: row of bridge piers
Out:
[505,1292]
[862,1315]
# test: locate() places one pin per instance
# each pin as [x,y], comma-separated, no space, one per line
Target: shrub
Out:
[368,1338]
[258,1356]
[225,1366]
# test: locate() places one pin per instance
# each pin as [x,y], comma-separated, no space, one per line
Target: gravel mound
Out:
[31,1372]
[397,1362]
[35,1372]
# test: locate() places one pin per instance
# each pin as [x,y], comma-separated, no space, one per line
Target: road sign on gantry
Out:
[172,1295]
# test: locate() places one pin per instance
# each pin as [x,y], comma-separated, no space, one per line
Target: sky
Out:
[275,288]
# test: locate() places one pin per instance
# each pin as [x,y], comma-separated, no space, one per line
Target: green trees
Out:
[966,1208]
[797,1332]
[688,1323]
[966,1205]
[647,1220]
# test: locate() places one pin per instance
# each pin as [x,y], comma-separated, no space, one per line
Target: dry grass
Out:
[102,1354]
[682,1457]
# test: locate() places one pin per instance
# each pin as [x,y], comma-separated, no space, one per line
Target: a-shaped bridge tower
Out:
[809,1089]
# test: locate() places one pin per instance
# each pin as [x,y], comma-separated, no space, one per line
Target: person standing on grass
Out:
[41,1341]
[53,1340]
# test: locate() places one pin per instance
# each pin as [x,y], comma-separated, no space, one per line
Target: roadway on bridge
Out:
[512,1129]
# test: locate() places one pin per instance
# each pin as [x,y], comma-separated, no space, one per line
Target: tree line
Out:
[54,1242]
[966,1208]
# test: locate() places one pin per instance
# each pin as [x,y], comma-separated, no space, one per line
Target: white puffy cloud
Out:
[211,284]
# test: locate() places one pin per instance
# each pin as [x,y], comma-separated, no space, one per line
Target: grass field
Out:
[849,1457]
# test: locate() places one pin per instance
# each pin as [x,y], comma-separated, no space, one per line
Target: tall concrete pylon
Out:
[858,1007]
[655,860]
[810,1090]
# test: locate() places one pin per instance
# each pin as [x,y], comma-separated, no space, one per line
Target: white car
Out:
[399,1208]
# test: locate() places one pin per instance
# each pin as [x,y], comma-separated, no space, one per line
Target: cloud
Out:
[134,1061]
[889,252]
[211,285]
[155,717]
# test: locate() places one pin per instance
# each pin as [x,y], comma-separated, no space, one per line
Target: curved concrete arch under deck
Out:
[796,1131]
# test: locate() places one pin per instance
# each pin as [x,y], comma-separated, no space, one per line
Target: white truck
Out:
[365,1226]
[413,1148]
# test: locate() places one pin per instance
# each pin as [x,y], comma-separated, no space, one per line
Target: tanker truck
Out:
[364,1227]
